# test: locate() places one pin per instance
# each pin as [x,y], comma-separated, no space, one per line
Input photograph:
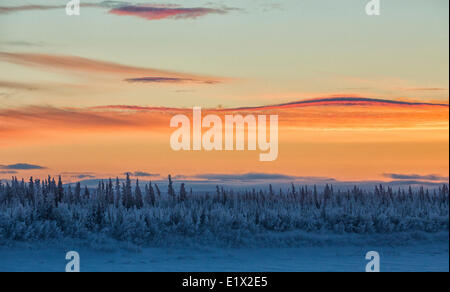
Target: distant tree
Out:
[327,192]
[223,217]
[77,192]
[316,198]
[139,203]
[150,195]
[69,198]
[117,199]
[86,194]
[294,192]
[218,192]
[158,191]
[30,191]
[60,186]
[171,190]
[271,193]
[110,193]
[183,193]
[127,195]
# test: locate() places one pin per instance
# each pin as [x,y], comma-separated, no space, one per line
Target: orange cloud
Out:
[343,139]
[335,113]
[35,119]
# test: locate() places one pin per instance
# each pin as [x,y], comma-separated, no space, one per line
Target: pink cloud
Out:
[162,12]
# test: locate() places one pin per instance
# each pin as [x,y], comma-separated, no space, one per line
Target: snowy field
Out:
[427,257]
[116,228]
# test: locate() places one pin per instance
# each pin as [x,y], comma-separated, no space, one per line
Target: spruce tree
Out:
[139,203]
[150,195]
[183,193]
[117,200]
[78,192]
[158,191]
[171,191]
[128,193]
[87,194]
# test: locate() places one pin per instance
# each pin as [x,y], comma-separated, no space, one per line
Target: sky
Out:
[91,96]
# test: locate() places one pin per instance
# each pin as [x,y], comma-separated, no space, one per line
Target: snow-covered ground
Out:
[116,229]
[415,257]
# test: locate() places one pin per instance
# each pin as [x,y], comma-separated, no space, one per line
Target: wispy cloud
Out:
[344,101]
[245,177]
[142,174]
[10,9]
[252,177]
[146,11]
[426,89]
[137,108]
[84,176]
[332,101]
[416,183]
[37,123]
[17,85]
[42,7]
[21,166]
[73,64]
[158,12]
[22,44]
[429,177]
[334,113]
[269,7]
[34,122]
[57,117]
[168,80]
[8,172]
[79,175]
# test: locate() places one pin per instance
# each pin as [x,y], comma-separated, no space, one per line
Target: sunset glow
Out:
[85,104]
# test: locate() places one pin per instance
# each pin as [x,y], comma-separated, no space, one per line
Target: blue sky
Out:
[279,50]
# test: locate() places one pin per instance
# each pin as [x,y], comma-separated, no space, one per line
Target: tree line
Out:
[144,213]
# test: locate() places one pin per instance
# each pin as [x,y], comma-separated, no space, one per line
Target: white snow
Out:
[117,229]
[412,258]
